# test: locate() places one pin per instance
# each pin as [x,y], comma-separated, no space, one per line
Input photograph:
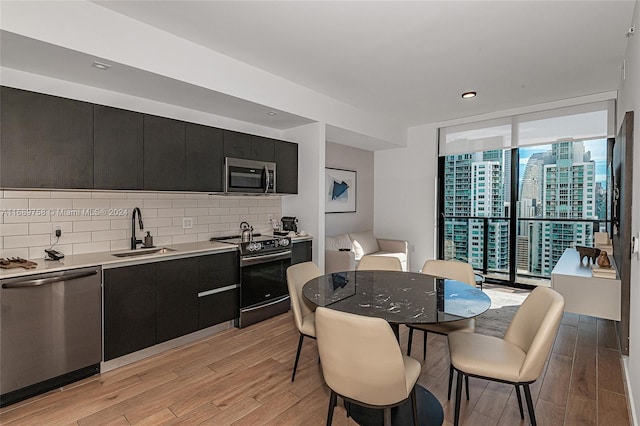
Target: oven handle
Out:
[267,179]
[274,302]
[255,260]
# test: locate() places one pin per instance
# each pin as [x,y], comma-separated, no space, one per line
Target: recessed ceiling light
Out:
[469,95]
[100,65]
[272,113]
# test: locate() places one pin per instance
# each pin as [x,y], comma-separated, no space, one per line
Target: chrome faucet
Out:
[134,241]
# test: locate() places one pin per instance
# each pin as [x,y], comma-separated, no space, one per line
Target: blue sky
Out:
[597,147]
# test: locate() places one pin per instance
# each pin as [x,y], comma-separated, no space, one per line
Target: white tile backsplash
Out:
[97,221]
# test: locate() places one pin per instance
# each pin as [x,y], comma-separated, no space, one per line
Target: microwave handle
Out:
[266,180]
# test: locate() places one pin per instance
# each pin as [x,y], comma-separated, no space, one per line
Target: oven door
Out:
[263,278]
[263,287]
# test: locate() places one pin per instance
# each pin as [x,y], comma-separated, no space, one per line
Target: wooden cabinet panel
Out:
[262,149]
[117,148]
[286,158]
[218,270]
[204,158]
[47,141]
[219,307]
[236,144]
[176,298]
[164,154]
[301,252]
[129,309]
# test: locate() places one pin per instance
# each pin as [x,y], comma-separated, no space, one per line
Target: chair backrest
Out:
[297,277]
[451,269]
[379,263]
[534,328]
[360,357]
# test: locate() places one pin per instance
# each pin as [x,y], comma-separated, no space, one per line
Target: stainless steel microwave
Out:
[249,176]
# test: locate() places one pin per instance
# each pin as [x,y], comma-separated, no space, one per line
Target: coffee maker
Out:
[289,223]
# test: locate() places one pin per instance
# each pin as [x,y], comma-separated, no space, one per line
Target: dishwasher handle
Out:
[44,281]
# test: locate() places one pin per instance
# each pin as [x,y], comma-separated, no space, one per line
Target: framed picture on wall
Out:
[340,187]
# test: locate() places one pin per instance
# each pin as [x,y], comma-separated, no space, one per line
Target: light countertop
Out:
[108,260]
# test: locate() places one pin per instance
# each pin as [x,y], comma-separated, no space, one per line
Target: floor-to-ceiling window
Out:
[516,192]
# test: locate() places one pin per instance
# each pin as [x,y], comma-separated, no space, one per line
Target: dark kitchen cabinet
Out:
[176,298]
[250,147]
[47,141]
[164,154]
[129,309]
[217,303]
[286,158]
[117,148]
[204,158]
[237,145]
[301,252]
[263,149]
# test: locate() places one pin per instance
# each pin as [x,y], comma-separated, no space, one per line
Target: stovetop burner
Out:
[258,245]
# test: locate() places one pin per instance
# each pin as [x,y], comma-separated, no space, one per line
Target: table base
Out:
[429,412]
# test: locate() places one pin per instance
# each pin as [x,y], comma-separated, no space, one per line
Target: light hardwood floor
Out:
[243,377]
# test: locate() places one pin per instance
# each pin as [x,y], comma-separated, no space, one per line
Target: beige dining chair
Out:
[519,357]
[303,310]
[362,362]
[379,263]
[454,270]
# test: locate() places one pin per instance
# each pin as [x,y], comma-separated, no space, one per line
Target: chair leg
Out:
[414,406]
[387,416]
[466,385]
[456,419]
[295,365]
[519,401]
[424,347]
[333,399]
[410,342]
[450,382]
[527,395]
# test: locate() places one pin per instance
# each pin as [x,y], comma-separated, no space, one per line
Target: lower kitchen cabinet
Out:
[301,252]
[176,298]
[129,309]
[151,303]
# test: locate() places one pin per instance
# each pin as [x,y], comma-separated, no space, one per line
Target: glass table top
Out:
[398,297]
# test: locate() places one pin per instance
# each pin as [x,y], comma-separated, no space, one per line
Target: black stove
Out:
[259,244]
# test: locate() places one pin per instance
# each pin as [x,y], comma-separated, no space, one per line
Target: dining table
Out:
[399,298]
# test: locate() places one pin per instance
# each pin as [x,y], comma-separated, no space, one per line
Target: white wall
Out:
[629,100]
[405,194]
[349,158]
[308,205]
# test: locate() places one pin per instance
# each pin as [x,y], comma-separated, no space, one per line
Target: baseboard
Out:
[632,406]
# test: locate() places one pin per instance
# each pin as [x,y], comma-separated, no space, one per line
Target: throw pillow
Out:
[364,243]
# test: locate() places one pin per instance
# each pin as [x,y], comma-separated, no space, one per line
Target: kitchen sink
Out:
[143,252]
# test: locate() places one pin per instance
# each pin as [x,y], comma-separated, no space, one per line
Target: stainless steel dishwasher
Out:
[50,331]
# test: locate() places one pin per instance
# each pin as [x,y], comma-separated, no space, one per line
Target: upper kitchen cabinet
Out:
[117,148]
[164,154]
[204,158]
[286,155]
[262,149]
[250,147]
[47,141]
[237,145]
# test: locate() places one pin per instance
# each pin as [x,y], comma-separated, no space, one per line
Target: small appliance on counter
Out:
[289,224]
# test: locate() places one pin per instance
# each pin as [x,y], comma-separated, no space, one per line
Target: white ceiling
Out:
[410,61]
[407,61]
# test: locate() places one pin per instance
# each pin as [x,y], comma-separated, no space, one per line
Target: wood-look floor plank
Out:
[243,376]
[607,336]
[571,319]
[581,411]
[610,376]
[612,409]
[583,376]
[555,386]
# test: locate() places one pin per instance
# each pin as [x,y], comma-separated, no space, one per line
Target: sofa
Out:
[344,251]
